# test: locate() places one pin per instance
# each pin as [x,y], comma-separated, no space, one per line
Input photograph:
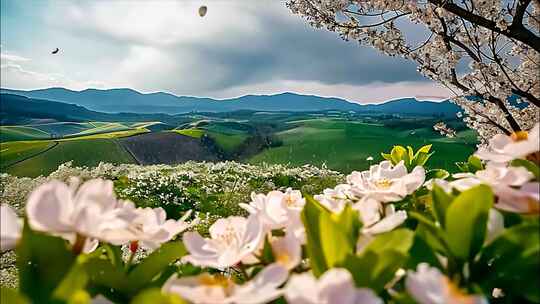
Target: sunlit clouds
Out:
[238,48]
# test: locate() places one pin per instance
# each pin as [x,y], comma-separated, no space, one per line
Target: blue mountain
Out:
[131,101]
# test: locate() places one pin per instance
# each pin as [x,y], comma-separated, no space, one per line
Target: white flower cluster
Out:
[444,129]
[372,192]
[85,214]
[231,182]
[515,187]
[485,52]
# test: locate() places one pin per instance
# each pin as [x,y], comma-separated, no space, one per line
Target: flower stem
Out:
[78,246]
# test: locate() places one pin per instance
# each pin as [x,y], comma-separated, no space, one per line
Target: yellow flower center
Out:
[228,235]
[519,135]
[383,183]
[283,258]
[216,281]
[289,201]
[456,295]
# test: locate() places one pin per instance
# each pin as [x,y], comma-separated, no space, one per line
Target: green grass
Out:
[193,132]
[12,152]
[228,127]
[15,133]
[110,135]
[344,146]
[145,124]
[60,129]
[228,142]
[87,152]
[103,128]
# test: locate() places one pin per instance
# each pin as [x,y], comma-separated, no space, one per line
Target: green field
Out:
[13,133]
[340,143]
[60,129]
[103,128]
[344,145]
[65,130]
[193,132]
[86,152]
[13,152]
[228,142]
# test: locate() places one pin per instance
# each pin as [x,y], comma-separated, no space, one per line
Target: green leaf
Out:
[349,222]
[411,152]
[374,270]
[430,233]
[335,244]
[463,166]
[422,158]
[42,261]
[422,155]
[424,149]
[532,167]
[440,202]
[475,164]
[105,277]
[399,240]
[311,219]
[387,156]
[466,221]
[512,260]
[155,296]
[422,252]
[267,255]
[11,296]
[114,253]
[74,282]
[437,173]
[399,153]
[155,263]
[380,259]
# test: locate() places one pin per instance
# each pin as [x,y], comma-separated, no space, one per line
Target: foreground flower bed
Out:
[396,233]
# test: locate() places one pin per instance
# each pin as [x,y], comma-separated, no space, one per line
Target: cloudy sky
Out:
[240,47]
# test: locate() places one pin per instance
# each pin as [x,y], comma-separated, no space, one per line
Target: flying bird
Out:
[55,51]
[202,10]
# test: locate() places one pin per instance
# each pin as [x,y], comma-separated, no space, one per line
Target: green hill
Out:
[344,145]
[87,152]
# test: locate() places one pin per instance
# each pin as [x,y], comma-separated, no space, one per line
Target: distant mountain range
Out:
[131,101]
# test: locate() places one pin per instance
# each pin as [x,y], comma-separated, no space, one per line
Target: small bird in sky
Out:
[55,51]
[202,10]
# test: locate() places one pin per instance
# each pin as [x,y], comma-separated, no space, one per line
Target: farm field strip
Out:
[87,152]
[15,152]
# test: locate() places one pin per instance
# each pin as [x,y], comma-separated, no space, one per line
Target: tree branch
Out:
[515,31]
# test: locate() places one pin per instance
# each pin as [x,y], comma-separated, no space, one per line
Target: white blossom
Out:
[78,214]
[385,182]
[335,286]
[10,228]
[231,240]
[427,285]
[503,148]
[276,208]
[208,289]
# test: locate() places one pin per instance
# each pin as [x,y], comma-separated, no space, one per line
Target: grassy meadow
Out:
[342,143]
[345,145]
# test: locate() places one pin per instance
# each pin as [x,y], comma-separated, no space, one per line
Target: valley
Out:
[342,140]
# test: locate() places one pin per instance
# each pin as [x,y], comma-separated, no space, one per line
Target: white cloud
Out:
[160,23]
[238,48]
[14,74]
[6,57]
